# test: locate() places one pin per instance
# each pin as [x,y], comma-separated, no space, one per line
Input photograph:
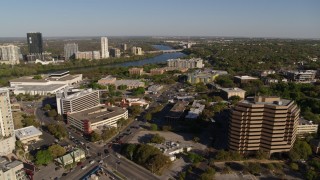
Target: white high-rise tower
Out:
[104,47]
[7,137]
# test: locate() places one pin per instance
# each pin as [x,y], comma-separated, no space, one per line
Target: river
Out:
[155,60]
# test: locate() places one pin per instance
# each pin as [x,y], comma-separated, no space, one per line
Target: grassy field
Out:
[17,117]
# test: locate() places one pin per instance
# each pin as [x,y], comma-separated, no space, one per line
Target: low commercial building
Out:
[28,134]
[170,149]
[73,157]
[267,72]
[244,79]
[306,127]
[177,111]
[226,93]
[186,63]
[107,80]
[157,71]
[195,110]
[131,84]
[205,76]
[304,76]
[90,119]
[12,170]
[136,71]
[154,89]
[46,84]
[68,102]
[134,102]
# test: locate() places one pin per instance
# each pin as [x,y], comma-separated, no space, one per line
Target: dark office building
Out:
[35,43]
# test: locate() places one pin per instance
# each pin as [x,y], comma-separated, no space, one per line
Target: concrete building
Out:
[28,134]
[306,127]
[73,102]
[154,89]
[73,157]
[90,55]
[267,72]
[136,71]
[9,54]
[134,102]
[195,110]
[226,93]
[12,170]
[48,84]
[90,119]
[136,50]
[70,51]
[107,80]
[263,123]
[7,138]
[35,43]
[205,76]
[177,111]
[186,63]
[115,52]
[305,76]
[157,71]
[315,145]
[131,84]
[124,47]
[244,79]
[104,48]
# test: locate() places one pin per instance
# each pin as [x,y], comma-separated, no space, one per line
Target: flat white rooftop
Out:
[27,132]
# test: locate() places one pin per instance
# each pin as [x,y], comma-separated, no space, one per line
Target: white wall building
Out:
[104,48]
[11,170]
[28,134]
[7,139]
[9,54]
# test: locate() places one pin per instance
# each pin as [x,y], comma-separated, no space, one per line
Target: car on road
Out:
[106,151]
[84,167]
[92,161]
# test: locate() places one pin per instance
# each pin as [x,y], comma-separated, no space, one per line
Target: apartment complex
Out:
[131,84]
[7,138]
[9,54]
[136,71]
[69,103]
[205,76]
[263,123]
[124,47]
[12,170]
[157,71]
[136,50]
[70,51]
[302,76]
[99,116]
[90,55]
[186,63]
[306,127]
[115,52]
[35,43]
[104,48]
[226,93]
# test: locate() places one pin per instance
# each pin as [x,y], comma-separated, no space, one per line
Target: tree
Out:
[59,117]
[129,150]
[19,144]
[153,127]
[195,158]
[121,122]
[37,77]
[52,113]
[56,150]
[294,166]
[134,110]
[300,150]
[157,139]
[234,99]
[47,107]
[138,91]
[261,154]
[108,133]
[208,174]
[94,137]
[148,116]
[43,157]
[57,130]
[254,168]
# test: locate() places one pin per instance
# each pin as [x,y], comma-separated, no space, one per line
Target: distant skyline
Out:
[233,18]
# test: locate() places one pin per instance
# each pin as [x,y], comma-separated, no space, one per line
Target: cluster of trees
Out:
[29,120]
[147,156]
[194,158]
[300,150]
[135,110]
[58,130]
[27,97]
[157,139]
[223,155]
[44,157]
[138,91]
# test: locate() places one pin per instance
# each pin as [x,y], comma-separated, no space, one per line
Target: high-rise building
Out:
[96,55]
[35,43]
[7,138]
[136,50]
[70,51]
[124,47]
[115,52]
[68,102]
[9,54]
[263,123]
[104,48]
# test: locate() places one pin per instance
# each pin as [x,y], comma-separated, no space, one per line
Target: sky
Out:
[233,18]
